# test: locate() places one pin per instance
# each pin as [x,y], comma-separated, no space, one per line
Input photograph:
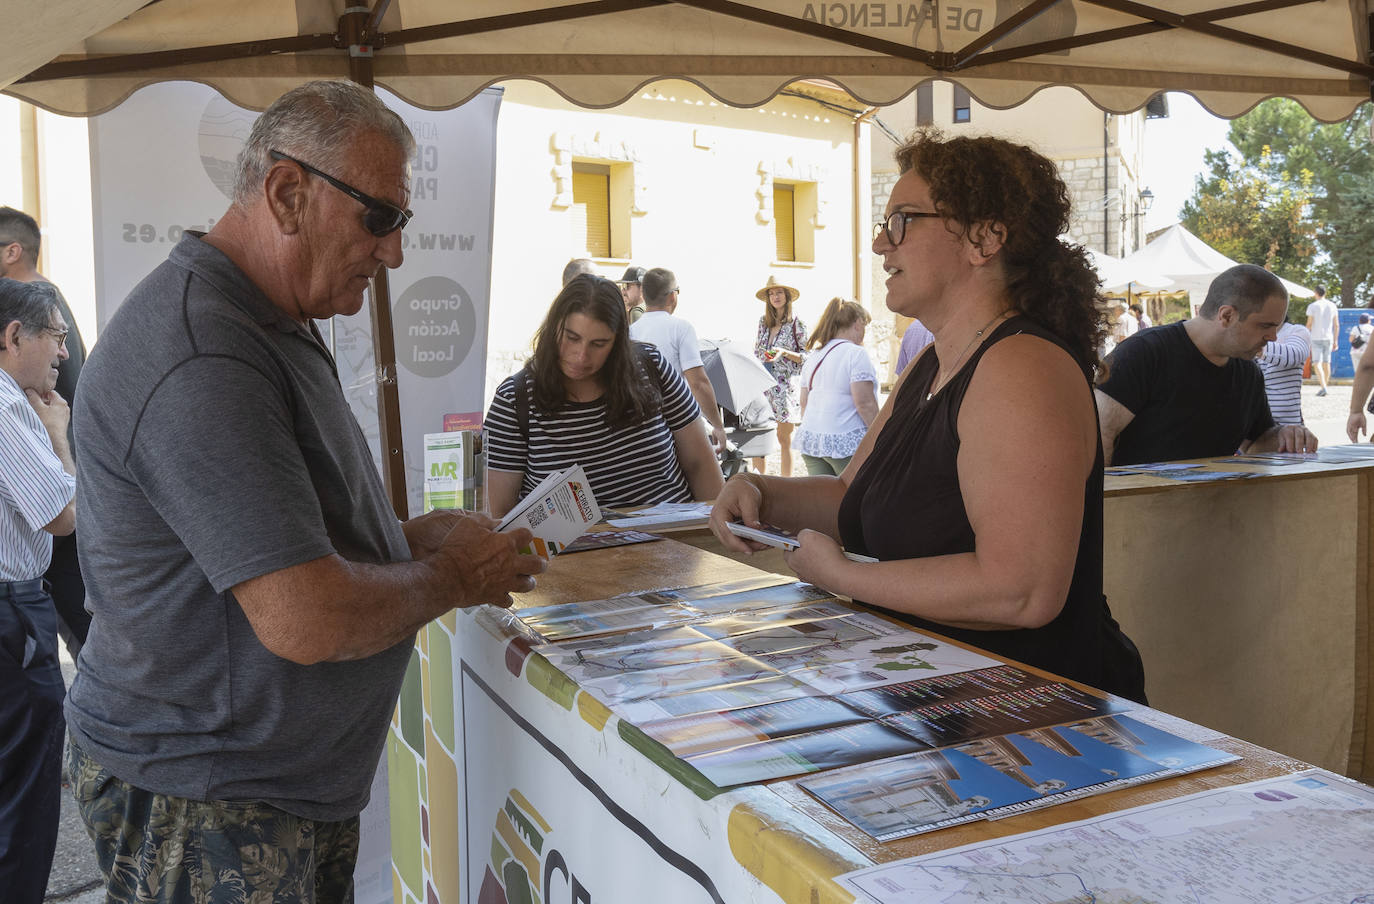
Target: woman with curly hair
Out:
[589,395]
[979,486]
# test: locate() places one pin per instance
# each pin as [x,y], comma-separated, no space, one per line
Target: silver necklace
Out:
[954,368]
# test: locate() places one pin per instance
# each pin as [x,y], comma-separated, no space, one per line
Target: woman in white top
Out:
[839,384]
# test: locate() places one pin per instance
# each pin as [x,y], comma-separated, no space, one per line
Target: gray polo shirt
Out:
[216,445]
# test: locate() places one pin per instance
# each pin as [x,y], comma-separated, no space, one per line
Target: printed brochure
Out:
[557,512]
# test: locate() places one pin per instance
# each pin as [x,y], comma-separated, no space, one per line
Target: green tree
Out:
[1255,213]
[1338,157]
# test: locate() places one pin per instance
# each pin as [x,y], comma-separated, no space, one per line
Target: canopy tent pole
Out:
[356,27]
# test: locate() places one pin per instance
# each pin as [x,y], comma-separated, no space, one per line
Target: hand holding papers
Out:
[557,512]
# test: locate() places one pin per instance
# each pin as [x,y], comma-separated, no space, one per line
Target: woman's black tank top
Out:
[905,503]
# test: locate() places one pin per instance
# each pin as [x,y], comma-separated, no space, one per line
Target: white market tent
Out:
[1117,273]
[78,57]
[1191,263]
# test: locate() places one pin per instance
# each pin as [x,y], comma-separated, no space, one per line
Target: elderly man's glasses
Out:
[381,217]
[60,334]
[894,227]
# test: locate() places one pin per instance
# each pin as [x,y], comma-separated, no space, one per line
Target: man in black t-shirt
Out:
[1192,389]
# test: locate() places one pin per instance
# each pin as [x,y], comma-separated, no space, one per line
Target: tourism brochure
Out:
[1303,837]
[1002,775]
[805,735]
[455,471]
[1271,459]
[664,515]
[782,539]
[557,512]
[666,606]
[605,539]
[1346,453]
[1202,476]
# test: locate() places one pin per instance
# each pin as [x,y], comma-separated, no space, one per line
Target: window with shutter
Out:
[784,219]
[591,208]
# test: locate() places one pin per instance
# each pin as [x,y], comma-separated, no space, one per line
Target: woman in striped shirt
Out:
[590,396]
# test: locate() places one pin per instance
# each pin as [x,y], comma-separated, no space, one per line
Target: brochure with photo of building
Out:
[1006,774]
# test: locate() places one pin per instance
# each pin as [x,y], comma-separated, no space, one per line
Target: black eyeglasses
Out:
[894,227]
[381,217]
[60,334]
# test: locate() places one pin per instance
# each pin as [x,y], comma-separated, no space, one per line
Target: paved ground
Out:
[75,877]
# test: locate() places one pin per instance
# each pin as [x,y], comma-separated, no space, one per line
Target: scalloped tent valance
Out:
[73,57]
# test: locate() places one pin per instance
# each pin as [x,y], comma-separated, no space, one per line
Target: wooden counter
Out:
[1250,602]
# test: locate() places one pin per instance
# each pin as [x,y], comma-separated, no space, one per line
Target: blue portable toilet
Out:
[1342,368]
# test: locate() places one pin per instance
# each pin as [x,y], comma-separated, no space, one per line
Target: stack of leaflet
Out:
[455,471]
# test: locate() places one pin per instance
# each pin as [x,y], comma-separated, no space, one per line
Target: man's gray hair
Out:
[314,123]
[1245,287]
[31,304]
[576,267]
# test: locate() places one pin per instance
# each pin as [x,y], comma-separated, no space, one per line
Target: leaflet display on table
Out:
[1294,838]
[777,684]
[782,539]
[557,512]
[1002,775]
[455,471]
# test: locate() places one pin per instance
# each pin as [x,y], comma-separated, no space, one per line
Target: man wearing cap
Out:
[38,489]
[632,290]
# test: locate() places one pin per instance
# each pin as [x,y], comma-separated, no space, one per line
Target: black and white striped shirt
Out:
[1281,363]
[34,489]
[632,465]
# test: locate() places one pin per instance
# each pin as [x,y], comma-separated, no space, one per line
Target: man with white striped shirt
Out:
[37,502]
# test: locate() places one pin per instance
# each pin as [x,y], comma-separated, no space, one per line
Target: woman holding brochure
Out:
[979,485]
[590,396]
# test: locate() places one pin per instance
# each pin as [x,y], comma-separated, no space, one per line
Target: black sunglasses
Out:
[381,217]
[895,224]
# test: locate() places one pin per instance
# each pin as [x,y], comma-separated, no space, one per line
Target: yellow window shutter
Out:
[783,220]
[591,211]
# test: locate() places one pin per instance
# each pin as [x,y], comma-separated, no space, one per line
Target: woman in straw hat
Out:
[779,345]
[979,486]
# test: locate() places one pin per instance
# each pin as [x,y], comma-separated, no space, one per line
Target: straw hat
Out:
[762,294]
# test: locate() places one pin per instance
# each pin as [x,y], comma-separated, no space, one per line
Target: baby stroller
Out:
[750,434]
[739,382]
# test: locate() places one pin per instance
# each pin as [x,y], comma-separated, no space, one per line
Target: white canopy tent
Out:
[77,57]
[1117,273]
[1191,263]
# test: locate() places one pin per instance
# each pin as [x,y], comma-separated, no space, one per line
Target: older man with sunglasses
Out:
[255,599]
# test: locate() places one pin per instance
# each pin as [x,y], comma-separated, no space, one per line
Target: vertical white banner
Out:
[440,295]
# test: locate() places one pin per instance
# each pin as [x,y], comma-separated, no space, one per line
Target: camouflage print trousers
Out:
[156,849]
